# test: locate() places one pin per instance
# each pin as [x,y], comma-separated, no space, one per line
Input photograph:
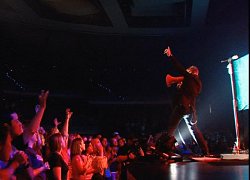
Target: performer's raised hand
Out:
[168,52]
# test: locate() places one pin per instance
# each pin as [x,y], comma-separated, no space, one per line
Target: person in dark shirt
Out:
[58,167]
[188,88]
[128,153]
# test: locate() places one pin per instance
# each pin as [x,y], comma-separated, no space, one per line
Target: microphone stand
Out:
[236,148]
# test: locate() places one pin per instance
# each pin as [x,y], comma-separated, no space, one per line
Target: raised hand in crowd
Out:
[65,128]
[35,122]
[42,98]
[56,122]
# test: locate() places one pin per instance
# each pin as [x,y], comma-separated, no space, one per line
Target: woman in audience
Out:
[58,166]
[97,146]
[64,133]
[8,166]
[82,165]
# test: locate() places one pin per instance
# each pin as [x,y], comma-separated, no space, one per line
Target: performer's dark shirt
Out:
[190,88]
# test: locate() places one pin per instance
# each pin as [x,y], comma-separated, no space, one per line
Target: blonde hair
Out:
[75,147]
[100,163]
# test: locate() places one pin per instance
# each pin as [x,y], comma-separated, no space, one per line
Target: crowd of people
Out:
[28,151]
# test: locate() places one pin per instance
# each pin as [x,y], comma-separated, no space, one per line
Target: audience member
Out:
[36,160]
[58,166]
[82,167]
[20,136]
[21,144]
[8,166]
[97,146]
[128,153]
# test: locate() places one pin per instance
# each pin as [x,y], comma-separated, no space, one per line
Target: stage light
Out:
[234,57]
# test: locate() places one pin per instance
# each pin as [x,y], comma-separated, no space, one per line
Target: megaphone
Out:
[172,80]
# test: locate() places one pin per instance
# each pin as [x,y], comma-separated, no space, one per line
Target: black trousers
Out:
[178,113]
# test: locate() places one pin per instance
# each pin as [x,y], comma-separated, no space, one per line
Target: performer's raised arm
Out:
[178,66]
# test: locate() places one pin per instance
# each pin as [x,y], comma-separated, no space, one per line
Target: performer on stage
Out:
[188,88]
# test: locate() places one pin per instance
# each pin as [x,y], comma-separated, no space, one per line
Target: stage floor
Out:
[189,170]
